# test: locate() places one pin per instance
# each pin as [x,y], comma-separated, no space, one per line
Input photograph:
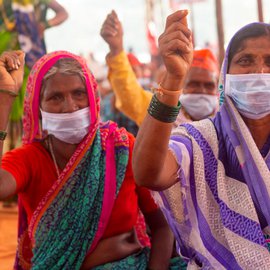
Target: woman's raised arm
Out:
[154,165]
[11,77]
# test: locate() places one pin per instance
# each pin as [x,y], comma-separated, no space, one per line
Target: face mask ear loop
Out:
[41,130]
[227,91]
[40,114]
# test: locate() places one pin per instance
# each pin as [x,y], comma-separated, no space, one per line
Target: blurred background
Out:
[80,33]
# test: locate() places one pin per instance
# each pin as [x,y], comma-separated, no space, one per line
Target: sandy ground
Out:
[8,236]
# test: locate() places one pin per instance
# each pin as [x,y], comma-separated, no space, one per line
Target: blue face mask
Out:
[250,93]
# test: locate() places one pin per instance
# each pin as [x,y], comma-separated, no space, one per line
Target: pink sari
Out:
[81,199]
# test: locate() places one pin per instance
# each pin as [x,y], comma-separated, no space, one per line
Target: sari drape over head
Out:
[219,208]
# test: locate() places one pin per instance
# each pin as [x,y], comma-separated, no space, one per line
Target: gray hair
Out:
[66,66]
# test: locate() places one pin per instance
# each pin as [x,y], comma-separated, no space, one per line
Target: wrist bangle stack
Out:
[8,92]
[163,112]
[3,135]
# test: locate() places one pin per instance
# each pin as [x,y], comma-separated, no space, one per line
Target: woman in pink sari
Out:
[78,199]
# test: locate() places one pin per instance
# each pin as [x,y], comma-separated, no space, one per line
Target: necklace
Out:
[53,155]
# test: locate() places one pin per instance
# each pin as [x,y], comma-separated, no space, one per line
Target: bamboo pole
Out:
[220,31]
[260,10]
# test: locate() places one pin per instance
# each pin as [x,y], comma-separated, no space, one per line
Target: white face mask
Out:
[199,106]
[67,127]
[250,93]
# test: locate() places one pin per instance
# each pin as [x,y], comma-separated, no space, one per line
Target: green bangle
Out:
[3,135]
[8,92]
[163,112]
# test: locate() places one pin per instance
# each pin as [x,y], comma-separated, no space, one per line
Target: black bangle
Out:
[163,112]
[3,135]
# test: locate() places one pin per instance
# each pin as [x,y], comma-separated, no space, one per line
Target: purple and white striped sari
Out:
[219,210]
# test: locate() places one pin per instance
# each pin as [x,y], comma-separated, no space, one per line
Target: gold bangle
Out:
[3,135]
[162,91]
[8,92]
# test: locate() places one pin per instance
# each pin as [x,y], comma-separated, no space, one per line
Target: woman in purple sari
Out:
[212,177]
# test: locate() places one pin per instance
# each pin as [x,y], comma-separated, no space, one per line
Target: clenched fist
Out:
[175,45]
[112,33]
[11,71]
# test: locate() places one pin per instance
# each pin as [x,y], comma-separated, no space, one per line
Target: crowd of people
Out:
[22,26]
[171,173]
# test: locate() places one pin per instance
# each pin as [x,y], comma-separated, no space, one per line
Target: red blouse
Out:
[34,172]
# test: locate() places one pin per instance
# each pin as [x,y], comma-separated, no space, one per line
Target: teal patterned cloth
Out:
[139,261]
[69,225]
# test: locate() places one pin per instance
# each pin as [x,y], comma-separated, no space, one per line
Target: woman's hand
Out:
[112,33]
[175,46]
[11,71]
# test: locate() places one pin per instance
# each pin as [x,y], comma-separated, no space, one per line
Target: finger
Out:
[10,60]
[184,20]
[109,29]
[172,36]
[178,16]
[176,26]
[108,32]
[175,47]
[112,19]
[110,22]
[19,58]
[114,16]
[17,74]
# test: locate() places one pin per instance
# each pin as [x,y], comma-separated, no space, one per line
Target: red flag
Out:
[152,38]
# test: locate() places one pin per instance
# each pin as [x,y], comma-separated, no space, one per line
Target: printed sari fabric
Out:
[19,30]
[27,29]
[70,220]
[219,208]
[136,261]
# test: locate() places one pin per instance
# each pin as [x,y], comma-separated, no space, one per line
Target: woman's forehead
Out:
[65,80]
[255,45]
